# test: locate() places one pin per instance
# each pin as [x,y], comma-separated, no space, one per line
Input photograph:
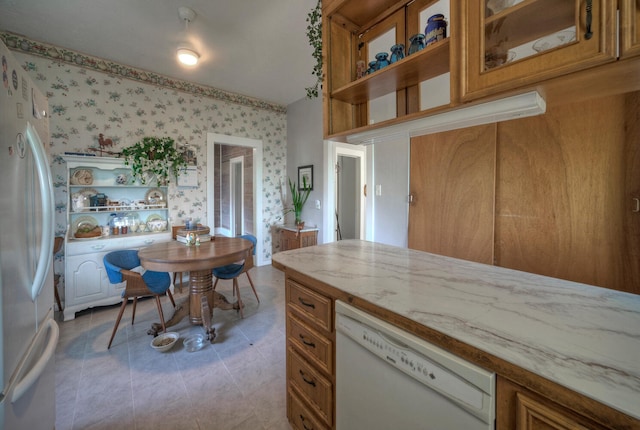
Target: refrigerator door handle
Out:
[46,186]
[32,376]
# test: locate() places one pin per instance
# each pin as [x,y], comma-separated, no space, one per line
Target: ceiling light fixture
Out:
[187,55]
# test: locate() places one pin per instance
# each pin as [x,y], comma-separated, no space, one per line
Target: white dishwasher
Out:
[387,378]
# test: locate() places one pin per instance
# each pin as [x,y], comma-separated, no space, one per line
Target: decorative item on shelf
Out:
[554,40]
[122,179]
[497,6]
[314,35]
[361,69]
[372,67]
[79,202]
[436,29]
[416,43]
[97,201]
[81,177]
[382,60]
[157,156]
[497,56]
[397,52]
[104,144]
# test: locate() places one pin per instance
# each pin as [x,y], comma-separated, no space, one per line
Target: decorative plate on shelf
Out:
[85,227]
[88,192]
[155,196]
[155,217]
[81,177]
[554,40]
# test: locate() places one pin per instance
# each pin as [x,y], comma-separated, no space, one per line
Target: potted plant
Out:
[154,157]
[298,199]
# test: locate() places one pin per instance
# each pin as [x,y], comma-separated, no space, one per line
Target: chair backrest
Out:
[118,260]
[252,239]
[248,263]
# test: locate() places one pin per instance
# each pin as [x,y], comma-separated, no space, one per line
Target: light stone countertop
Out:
[580,336]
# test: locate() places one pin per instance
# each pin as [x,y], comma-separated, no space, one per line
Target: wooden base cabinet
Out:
[292,238]
[521,409]
[310,357]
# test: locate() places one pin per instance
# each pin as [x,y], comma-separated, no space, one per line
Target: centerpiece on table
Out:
[154,158]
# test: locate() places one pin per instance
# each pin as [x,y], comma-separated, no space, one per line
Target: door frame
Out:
[232,192]
[258,204]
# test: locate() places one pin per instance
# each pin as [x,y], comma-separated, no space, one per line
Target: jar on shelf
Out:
[397,52]
[416,43]
[372,67]
[436,29]
[382,60]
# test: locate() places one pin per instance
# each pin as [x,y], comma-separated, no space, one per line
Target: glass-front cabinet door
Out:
[629,28]
[513,43]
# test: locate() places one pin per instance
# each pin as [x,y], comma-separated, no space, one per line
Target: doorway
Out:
[347,202]
[251,209]
[346,178]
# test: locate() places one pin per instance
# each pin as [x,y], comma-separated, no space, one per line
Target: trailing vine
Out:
[314,34]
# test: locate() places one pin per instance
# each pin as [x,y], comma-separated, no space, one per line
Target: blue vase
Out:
[416,43]
[382,60]
[397,52]
[372,67]
[435,30]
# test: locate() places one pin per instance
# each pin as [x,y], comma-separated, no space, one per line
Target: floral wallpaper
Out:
[89,96]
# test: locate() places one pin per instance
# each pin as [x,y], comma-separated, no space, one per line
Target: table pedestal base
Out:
[201,286]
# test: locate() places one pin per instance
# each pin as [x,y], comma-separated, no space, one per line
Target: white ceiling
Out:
[257,48]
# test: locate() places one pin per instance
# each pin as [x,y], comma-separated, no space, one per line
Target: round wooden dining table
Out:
[199,260]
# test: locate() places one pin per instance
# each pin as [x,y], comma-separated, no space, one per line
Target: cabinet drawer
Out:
[313,306]
[311,385]
[300,417]
[314,346]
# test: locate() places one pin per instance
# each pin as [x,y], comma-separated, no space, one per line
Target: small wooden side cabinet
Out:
[293,238]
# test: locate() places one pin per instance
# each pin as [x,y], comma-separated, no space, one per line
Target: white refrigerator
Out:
[29,334]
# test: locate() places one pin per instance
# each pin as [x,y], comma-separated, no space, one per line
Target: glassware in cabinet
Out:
[511,43]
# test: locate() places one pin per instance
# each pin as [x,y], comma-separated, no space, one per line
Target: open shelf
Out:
[428,63]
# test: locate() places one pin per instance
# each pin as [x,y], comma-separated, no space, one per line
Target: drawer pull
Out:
[302,420]
[304,378]
[97,247]
[307,304]
[306,342]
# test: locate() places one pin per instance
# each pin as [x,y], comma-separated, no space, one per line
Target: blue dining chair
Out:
[232,271]
[119,265]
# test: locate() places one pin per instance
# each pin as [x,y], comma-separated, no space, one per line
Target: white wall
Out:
[391,177]
[304,147]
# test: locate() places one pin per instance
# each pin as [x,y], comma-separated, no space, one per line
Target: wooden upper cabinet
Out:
[349,26]
[629,28]
[532,41]
[452,183]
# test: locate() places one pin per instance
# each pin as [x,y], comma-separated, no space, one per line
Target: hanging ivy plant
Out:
[154,158]
[314,34]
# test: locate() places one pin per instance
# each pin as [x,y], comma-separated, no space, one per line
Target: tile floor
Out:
[236,383]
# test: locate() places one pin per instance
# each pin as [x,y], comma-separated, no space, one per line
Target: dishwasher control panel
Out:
[419,367]
[464,383]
